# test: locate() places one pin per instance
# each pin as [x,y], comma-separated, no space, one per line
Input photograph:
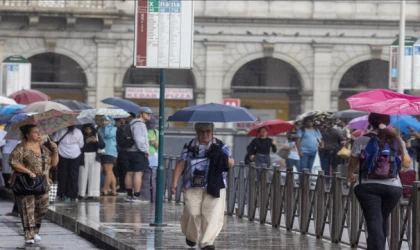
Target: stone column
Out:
[214,72]
[322,76]
[91,96]
[105,70]
[335,98]
[307,101]
[199,96]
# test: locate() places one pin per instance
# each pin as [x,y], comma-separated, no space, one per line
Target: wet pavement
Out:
[121,225]
[53,236]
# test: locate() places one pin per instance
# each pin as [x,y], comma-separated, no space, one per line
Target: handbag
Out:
[100,150]
[284,153]
[344,153]
[26,185]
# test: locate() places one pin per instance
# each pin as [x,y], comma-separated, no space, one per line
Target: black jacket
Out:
[219,163]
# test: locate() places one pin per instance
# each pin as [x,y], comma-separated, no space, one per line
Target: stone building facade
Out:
[280,58]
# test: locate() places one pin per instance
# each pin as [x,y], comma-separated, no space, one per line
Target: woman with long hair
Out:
[32,158]
[90,171]
[378,191]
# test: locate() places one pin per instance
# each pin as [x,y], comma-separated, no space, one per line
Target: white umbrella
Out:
[6,101]
[40,107]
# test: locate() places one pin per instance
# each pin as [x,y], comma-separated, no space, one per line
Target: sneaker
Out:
[129,198]
[140,199]
[190,243]
[29,241]
[37,238]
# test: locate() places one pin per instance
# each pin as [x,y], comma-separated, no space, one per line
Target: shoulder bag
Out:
[26,185]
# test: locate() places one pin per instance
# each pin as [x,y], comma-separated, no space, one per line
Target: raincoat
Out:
[109,134]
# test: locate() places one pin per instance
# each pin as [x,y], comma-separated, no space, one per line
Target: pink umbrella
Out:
[385,102]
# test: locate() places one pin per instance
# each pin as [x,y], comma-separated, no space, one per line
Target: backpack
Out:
[379,162]
[124,137]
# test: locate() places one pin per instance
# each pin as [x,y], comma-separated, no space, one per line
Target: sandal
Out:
[104,194]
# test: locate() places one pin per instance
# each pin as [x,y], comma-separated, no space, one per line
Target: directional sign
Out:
[164,34]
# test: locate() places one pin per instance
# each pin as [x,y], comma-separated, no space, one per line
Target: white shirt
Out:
[71,144]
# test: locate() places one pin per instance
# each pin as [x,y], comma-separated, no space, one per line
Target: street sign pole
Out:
[401,49]
[160,175]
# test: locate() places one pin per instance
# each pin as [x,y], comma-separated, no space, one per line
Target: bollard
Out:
[289,199]
[263,194]
[231,191]
[251,192]
[276,198]
[337,208]
[394,237]
[320,205]
[354,217]
[305,201]
[241,190]
[415,195]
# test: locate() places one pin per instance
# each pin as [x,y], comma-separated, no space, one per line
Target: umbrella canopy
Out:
[387,102]
[40,107]
[6,101]
[404,121]
[274,127]
[127,105]
[114,113]
[11,108]
[48,122]
[28,96]
[82,120]
[212,112]
[348,114]
[361,123]
[73,105]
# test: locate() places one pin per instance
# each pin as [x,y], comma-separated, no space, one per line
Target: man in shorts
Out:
[137,156]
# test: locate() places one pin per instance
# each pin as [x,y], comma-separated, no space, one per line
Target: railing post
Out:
[354,217]
[276,197]
[415,195]
[289,198]
[320,205]
[241,190]
[231,189]
[305,201]
[394,236]
[251,192]
[180,182]
[263,194]
[337,208]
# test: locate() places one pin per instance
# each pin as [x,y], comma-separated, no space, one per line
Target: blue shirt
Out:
[197,160]
[293,155]
[309,140]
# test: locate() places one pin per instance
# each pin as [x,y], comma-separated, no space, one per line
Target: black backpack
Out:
[125,138]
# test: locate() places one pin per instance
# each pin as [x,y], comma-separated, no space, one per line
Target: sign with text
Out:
[164,34]
[153,93]
[408,63]
[232,102]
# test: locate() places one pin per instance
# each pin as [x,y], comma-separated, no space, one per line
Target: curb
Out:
[98,238]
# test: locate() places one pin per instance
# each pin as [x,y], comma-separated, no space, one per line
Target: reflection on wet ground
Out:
[128,224]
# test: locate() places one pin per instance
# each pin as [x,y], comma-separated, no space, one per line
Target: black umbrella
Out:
[73,105]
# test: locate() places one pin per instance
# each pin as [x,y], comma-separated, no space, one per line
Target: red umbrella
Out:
[28,96]
[274,127]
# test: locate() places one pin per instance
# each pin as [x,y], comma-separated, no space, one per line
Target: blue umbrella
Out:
[212,112]
[127,105]
[404,122]
[11,108]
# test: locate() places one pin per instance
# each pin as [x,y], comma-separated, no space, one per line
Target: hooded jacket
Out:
[109,134]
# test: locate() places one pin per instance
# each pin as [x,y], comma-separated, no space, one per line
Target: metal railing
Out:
[91,4]
[323,206]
